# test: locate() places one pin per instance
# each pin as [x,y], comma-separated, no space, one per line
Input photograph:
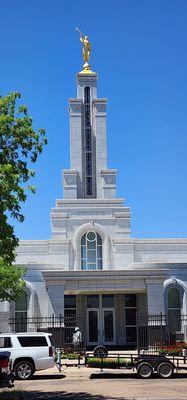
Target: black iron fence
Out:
[158,330]
[152,331]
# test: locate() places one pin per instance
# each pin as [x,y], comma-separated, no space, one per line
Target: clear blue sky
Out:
[140,54]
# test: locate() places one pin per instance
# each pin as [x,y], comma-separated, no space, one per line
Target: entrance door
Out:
[93,326]
[108,334]
[100,319]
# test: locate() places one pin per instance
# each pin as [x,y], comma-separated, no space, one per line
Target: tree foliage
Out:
[11,281]
[20,146]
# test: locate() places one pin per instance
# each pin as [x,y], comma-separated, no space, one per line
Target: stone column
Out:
[56,295]
[155,296]
[99,118]
[75,112]
[5,325]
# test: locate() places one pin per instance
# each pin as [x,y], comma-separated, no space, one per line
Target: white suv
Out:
[30,352]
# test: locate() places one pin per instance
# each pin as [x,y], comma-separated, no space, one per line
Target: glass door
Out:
[108,326]
[93,326]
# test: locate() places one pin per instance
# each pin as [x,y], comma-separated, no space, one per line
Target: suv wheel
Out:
[24,370]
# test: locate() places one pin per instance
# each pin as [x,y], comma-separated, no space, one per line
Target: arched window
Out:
[174,309]
[21,306]
[91,251]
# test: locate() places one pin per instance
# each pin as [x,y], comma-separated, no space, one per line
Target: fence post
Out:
[59,361]
[60,323]
[137,334]
[161,330]
[102,364]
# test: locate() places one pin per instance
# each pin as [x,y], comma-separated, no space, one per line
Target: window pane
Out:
[91,266]
[174,298]
[108,300]
[131,335]
[88,163]
[174,317]
[87,94]
[83,264]
[91,236]
[130,300]
[93,326]
[68,314]
[21,302]
[5,342]
[131,316]
[83,240]
[89,186]
[91,245]
[69,301]
[99,251]
[83,251]
[92,301]
[32,341]
[20,321]
[108,326]
[99,240]
[91,256]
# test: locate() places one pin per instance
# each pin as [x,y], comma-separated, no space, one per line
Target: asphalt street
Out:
[91,384]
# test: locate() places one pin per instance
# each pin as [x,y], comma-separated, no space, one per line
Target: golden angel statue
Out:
[86,50]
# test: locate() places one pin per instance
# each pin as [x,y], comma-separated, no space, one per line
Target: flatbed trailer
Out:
[144,364]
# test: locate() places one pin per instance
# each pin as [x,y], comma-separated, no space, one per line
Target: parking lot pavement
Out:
[75,384]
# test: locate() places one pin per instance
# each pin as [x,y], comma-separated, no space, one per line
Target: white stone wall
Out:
[129,264]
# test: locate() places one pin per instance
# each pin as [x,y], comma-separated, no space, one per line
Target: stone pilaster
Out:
[56,295]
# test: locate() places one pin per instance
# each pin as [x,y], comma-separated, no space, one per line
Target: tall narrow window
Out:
[174,309]
[88,144]
[21,313]
[130,318]
[91,251]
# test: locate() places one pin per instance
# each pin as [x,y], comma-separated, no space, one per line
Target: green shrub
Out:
[106,362]
[162,352]
[69,356]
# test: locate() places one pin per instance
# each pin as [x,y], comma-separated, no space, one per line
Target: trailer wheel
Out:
[165,370]
[144,370]
[100,351]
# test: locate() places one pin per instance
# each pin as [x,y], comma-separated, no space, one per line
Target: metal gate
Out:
[62,328]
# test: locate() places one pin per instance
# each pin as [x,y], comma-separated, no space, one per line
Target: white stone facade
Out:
[145,267]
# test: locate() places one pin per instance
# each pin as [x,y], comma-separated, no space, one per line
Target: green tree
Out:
[11,281]
[20,146]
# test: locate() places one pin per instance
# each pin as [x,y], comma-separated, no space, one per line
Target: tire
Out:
[24,370]
[100,351]
[144,370]
[165,370]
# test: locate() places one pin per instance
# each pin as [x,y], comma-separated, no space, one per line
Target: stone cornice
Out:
[104,274]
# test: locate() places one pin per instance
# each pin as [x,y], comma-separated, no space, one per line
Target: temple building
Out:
[91,265]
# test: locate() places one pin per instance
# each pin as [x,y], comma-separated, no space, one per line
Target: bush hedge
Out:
[97,362]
